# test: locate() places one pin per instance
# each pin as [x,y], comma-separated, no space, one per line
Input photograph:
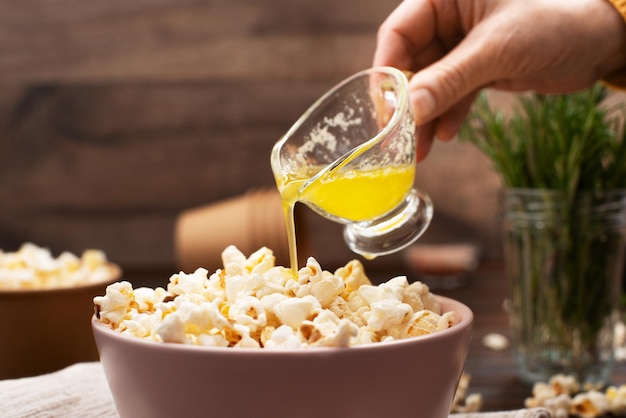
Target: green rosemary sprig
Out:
[571,143]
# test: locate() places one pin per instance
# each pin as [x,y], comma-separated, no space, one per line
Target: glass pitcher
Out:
[351,158]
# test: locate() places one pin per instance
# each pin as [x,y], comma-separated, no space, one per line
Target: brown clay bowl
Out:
[46,330]
[415,377]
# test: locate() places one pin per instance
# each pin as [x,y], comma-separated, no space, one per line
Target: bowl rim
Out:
[465,321]
[116,275]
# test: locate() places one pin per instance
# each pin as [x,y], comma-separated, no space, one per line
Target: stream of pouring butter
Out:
[289,192]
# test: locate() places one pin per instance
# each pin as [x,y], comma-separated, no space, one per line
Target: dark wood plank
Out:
[118,159]
[169,40]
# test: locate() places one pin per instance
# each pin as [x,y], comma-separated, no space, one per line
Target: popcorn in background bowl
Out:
[46,303]
[33,267]
[333,345]
[251,303]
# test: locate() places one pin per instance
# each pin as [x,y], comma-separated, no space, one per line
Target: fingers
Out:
[449,123]
[424,104]
[428,37]
[405,32]
[440,86]
[443,128]
[440,96]
[424,135]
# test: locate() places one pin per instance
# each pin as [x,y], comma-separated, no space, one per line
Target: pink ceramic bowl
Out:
[45,330]
[414,378]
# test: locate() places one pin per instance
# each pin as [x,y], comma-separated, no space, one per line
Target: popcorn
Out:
[172,329]
[616,397]
[563,398]
[495,341]
[589,404]
[113,307]
[387,314]
[248,312]
[422,323]
[33,267]
[283,337]
[294,311]
[462,402]
[252,303]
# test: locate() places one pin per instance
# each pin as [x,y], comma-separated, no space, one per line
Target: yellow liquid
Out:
[352,196]
[358,196]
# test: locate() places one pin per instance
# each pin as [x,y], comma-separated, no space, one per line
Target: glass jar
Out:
[564,259]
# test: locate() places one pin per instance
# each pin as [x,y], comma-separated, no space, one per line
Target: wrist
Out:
[617,77]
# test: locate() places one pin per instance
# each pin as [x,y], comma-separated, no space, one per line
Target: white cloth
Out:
[81,391]
[522,413]
[78,391]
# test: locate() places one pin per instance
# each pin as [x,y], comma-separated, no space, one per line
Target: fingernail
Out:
[424,105]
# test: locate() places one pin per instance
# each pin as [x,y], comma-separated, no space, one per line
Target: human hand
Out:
[457,47]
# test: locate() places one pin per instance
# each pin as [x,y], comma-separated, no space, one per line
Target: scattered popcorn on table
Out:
[495,341]
[564,398]
[33,267]
[462,402]
[253,303]
[589,404]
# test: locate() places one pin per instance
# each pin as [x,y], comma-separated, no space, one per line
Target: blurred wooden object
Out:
[117,116]
[250,221]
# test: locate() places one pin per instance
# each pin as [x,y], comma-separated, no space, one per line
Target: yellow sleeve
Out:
[617,80]
[620,5]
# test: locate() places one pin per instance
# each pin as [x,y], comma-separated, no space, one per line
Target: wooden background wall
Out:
[115,116]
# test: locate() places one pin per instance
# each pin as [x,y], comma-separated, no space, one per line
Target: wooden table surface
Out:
[494,373]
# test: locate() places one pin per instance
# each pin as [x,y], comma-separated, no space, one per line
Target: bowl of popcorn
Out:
[256,339]
[45,306]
